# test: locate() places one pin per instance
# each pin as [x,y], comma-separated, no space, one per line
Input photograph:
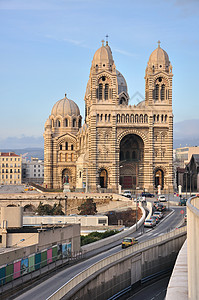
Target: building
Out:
[33,170]
[118,144]
[183,155]
[10,168]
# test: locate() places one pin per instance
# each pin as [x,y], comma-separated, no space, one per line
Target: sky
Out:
[47,46]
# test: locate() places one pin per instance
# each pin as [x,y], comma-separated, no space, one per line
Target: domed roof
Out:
[103,56]
[159,58]
[65,107]
[122,86]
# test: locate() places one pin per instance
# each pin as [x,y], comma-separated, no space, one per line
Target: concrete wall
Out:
[123,269]
[13,216]
[193,247]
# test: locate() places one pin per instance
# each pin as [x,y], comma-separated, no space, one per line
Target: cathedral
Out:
[119,145]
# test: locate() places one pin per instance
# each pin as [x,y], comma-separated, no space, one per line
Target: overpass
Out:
[124,269]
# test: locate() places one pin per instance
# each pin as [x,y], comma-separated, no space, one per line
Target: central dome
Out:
[65,107]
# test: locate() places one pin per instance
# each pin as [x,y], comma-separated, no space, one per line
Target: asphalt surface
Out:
[49,286]
[154,291]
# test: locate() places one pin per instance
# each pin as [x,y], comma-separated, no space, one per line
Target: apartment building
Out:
[10,168]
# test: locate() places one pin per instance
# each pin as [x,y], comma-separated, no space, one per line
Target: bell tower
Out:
[158,79]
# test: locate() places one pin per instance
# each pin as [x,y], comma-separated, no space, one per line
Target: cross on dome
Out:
[102,42]
[159,44]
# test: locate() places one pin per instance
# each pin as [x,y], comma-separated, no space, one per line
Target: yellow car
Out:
[128,241]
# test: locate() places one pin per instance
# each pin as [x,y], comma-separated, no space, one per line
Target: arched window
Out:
[58,123]
[136,118]
[157,118]
[133,155]
[80,123]
[157,92]
[74,122]
[105,117]
[127,155]
[100,91]
[145,119]
[165,118]
[101,117]
[154,118]
[109,118]
[127,118]
[97,117]
[72,147]
[106,91]
[80,174]
[66,122]
[60,147]
[118,118]
[163,92]
[123,118]
[132,118]
[141,118]
[121,155]
[162,118]
[66,146]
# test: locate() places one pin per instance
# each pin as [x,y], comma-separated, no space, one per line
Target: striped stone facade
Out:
[119,144]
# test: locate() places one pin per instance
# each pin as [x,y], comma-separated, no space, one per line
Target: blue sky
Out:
[47,47]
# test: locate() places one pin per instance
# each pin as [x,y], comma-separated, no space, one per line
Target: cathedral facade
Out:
[118,144]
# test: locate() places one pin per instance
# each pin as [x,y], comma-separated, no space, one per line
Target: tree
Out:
[46,209]
[57,209]
[88,207]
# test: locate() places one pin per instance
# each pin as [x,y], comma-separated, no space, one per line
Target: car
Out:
[156,218]
[185,218]
[141,199]
[182,202]
[159,214]
[155,203]
[160,207]
[147,194]
[127,194]
[150,223]
[162,198]
[128,241]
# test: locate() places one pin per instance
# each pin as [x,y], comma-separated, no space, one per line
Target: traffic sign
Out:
[182,211]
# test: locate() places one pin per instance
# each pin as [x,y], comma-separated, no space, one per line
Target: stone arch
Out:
[159,176]
[131,131]
[29,208]
[131,161]
[11,205]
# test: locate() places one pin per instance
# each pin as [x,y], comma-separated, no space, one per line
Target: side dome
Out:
[65,107]
[159,59]
[122,86]
[103,57]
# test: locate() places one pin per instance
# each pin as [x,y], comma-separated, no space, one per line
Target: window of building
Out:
[106,91]
[6,176]
[10,176]
[2,176]
[74,122]
[66,145]
[6,165]
[100,91]
[34,175]
[71,147]
[38,175]
[60,147]
[11,171]
[6,170]
[18,170]
[66,122]
[6,159]
[2,170]
[102,221]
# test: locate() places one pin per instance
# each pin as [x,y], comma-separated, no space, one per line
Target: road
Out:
[154,291]
[47,287]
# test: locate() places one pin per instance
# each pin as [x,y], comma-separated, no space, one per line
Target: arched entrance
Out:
[131,162]
[159,178]
[65,176]
[103,178]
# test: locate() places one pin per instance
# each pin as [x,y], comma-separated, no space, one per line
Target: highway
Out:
[49,286]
